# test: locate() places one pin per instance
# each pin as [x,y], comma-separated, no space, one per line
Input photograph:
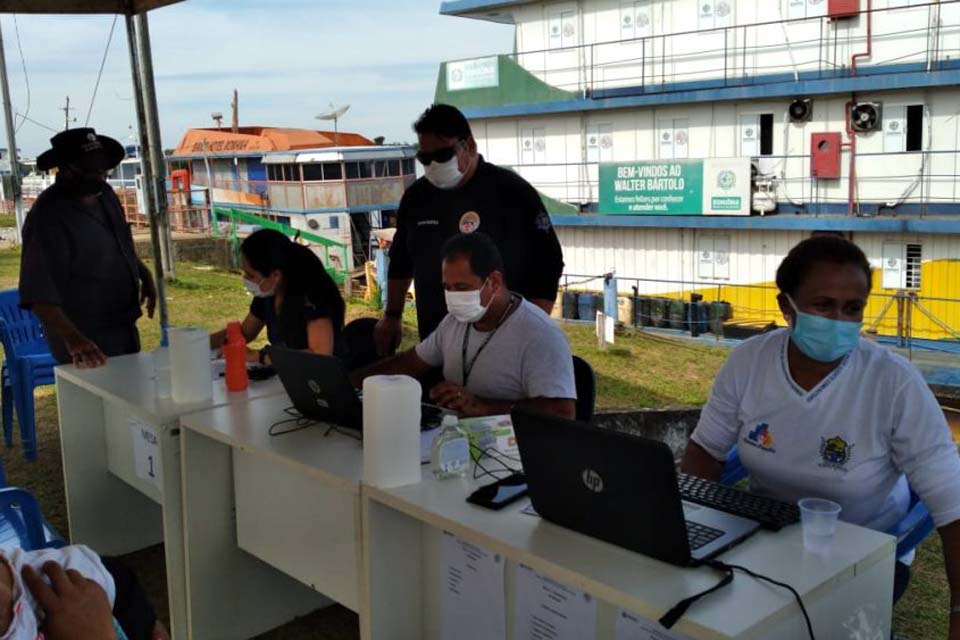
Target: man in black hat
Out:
[78,271]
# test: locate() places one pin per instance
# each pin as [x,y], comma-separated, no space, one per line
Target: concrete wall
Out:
[216,252]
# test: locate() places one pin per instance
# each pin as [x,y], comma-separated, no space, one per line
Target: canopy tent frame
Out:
[148,124]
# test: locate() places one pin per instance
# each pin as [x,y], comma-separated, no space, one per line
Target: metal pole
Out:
[149,185]
[11,143]
[155,155]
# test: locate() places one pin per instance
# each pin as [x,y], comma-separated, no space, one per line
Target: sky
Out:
[289,59]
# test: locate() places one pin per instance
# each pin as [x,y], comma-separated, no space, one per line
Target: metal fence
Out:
[903,315]
[734,55]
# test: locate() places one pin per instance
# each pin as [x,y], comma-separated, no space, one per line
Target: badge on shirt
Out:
[543,221]
[469,222]
[835,453]
[760,438]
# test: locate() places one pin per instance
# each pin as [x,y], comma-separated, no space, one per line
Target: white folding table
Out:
[121,461]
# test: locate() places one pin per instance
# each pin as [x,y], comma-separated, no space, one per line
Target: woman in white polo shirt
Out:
[818,411]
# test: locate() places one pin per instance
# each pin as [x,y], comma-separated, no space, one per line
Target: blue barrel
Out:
[677,314]
[659,312]
[698,318]
[641,311]
[600,306]
[720,312]
[569,305]
[587,306]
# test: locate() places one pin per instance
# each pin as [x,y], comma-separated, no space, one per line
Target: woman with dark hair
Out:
[818,411]
[293,297]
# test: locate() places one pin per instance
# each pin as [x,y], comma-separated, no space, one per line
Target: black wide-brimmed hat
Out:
[72,144]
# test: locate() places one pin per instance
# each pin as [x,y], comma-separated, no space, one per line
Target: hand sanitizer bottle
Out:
[451,450]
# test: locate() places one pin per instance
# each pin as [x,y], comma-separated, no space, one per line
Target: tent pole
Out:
[156,158]
[11,144]
[149,183]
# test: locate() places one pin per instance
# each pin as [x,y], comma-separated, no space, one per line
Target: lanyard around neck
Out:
[467,368]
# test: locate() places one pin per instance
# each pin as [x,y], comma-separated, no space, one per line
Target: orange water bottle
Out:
[235,353]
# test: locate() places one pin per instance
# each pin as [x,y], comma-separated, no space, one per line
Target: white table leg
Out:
[230,594]
[104,512]
[393,599]
[173,532]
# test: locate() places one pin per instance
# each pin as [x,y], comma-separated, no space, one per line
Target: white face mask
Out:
[444,175]
[255,290]
[465,306]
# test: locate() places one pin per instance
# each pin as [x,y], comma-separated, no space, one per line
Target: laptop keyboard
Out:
[772,514]
[699,535]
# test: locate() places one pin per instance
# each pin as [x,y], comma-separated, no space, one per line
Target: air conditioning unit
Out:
[800,110]
[865,116]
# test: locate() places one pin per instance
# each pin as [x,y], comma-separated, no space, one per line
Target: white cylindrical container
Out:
[191,379]
[391,431]
[161,371]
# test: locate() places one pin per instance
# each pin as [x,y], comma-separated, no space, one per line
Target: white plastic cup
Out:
[818,518]
[161,372]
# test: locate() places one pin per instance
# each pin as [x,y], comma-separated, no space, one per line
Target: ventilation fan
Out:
[865,116]
[800,110]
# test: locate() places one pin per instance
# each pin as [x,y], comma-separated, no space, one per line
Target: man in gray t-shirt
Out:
[497,351]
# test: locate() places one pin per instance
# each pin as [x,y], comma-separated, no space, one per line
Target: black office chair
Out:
[358,343]
[586,383]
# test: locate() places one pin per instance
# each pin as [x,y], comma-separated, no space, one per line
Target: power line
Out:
[39,124]
[103,63]
[26,78]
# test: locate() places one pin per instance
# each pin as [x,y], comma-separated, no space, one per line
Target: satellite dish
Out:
[334,114]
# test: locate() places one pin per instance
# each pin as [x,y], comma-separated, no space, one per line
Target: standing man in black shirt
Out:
[78,272]
[462,193]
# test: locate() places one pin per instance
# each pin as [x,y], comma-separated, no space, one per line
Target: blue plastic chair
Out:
[910,531]
[22,526]
[27,364]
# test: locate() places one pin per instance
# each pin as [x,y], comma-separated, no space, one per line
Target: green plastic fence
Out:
[235,216]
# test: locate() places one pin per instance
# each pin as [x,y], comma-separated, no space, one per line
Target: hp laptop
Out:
[320,390]
[619,488]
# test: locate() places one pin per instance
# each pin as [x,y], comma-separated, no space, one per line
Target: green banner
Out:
[670,187]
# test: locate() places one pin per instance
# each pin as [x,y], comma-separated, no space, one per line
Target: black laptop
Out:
[320,390]
[619,488]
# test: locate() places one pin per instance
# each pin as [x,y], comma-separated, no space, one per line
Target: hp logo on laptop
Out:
[592,480]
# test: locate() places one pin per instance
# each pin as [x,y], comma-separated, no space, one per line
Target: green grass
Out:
[641,370]
[8,220]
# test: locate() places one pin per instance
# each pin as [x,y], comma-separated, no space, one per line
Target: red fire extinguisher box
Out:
[825,155]
[843,8]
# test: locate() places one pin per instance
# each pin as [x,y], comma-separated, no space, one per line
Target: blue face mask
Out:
[823,339]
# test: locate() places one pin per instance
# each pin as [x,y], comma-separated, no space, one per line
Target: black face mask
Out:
[84,185]
[89,186]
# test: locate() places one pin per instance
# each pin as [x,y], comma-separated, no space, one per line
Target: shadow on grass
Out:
[617,393]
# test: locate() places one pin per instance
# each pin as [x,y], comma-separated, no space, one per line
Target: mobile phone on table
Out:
[499,494]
